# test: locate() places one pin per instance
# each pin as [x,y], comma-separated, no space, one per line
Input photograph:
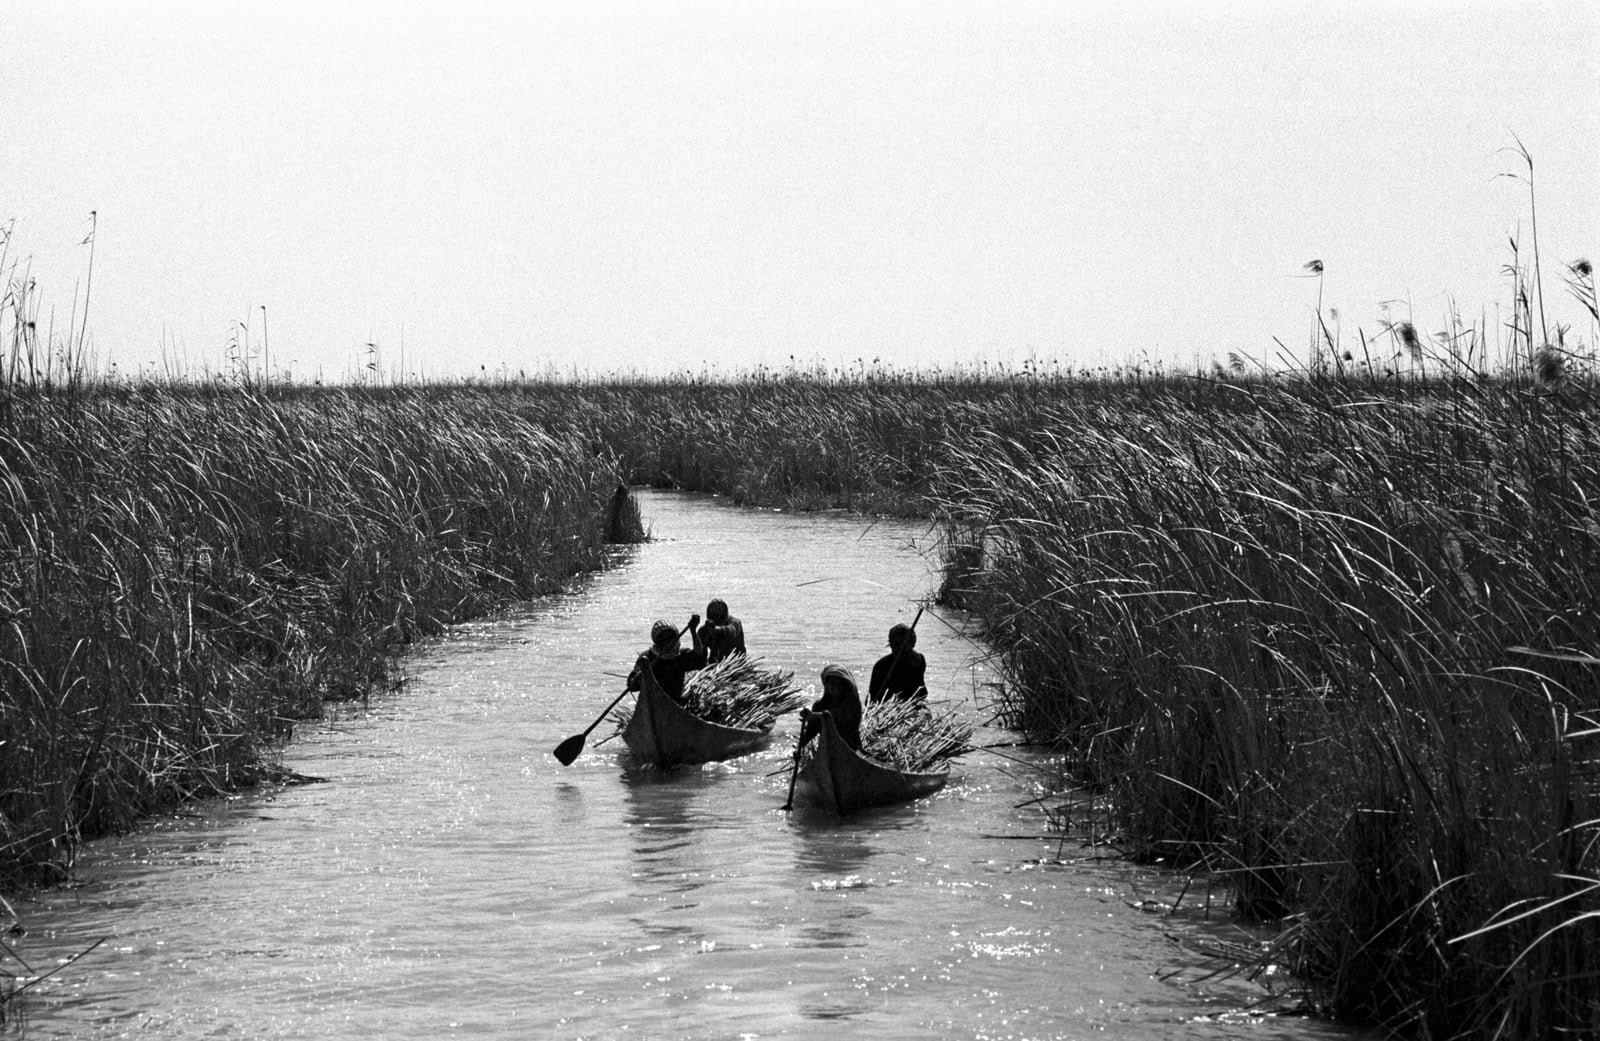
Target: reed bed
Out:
[1332,638]
[913,736]
[185,570]
[872,446]
[1338,643]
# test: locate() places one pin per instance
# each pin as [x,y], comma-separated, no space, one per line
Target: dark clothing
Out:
[668,672]
[845,707]
[722,638]
[903,678]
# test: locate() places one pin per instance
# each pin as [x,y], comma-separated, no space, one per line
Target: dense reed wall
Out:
[1338,642]
[876,445]
[1334,640]
[186,570]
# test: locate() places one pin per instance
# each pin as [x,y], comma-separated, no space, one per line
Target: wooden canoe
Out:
[663,733]
[838,778]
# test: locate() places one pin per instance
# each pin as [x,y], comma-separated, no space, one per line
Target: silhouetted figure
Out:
[901,673]
[722,634]
[841,700]
[667,661]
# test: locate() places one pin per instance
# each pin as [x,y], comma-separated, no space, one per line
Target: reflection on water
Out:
[662,815]
[451,878]
[832,852]
[837,927]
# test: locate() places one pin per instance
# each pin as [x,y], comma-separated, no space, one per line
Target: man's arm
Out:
[697,657]
[880,677]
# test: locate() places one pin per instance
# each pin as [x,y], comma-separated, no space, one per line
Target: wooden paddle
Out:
[794,770]
[572,747]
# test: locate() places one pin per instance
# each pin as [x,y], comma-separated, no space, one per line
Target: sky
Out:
[445,190]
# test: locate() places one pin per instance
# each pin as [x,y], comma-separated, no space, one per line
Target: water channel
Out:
[450,878]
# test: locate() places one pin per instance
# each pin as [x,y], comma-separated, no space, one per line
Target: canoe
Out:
[838,778]
[663,733]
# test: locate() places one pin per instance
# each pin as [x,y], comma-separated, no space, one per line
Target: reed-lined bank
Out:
[1332,638]
[185,570]
[1340,644]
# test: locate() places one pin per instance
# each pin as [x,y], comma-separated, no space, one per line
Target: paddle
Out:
[572,747]
[794,769]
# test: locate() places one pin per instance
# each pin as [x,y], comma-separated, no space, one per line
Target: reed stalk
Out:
[914,736]
[738,691]
[186,570]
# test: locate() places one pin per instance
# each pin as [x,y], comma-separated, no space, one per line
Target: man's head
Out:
[717,612]
[664,639]
[902,637]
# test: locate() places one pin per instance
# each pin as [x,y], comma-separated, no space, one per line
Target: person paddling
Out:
[722,634]
[901,674]
[842,701]
[666,659]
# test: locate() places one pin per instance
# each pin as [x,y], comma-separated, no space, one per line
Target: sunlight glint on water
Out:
[452,879]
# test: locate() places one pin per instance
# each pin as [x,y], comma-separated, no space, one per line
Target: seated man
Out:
[666,660]
[722,634]
[902,672]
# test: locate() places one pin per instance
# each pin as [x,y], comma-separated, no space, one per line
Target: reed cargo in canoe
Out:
[664,734]
[837,778]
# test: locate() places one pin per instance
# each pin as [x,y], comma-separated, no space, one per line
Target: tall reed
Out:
[1334,639]
[186,570]
[1337,642]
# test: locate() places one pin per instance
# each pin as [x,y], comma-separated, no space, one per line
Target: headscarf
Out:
[840,673]
[664,639]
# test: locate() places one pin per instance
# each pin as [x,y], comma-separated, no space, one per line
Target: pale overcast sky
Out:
[561,187]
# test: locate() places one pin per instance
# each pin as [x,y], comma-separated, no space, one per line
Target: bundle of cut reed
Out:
[739,692]
[735,692]
[908,735]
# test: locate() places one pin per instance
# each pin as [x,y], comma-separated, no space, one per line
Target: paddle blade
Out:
[568,750]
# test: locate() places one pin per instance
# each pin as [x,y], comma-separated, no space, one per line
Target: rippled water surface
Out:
[451,878]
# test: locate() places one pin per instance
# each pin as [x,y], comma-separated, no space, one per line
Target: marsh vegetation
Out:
[1332,641]
[185,571]
[1332,637]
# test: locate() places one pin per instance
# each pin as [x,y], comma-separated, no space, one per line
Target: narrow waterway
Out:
[450,878]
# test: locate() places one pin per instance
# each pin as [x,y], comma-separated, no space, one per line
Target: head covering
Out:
[664,638]
[901,631]
[840,674]
[717,611]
